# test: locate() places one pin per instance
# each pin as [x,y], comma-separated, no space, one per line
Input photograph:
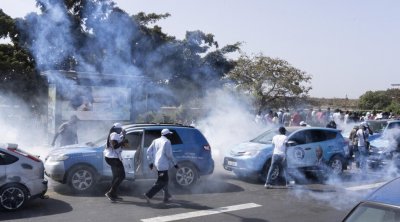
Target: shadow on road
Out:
[38,208]
[207,185]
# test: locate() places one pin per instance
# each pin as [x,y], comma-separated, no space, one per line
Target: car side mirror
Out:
[291,143]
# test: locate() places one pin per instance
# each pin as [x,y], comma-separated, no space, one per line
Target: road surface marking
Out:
[200,213]
[365,187]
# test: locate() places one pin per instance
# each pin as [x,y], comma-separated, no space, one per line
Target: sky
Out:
[348,47]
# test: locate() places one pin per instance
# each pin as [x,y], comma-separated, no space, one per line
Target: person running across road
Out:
[112,155]
[159,155]
[278,156]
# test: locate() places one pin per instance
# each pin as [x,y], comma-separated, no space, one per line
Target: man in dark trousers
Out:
[68,132]
[160,156]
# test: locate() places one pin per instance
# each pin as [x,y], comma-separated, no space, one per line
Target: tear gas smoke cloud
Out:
[19,125]
[229,122]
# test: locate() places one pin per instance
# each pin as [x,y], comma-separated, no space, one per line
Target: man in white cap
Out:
[112,156]
[160,156]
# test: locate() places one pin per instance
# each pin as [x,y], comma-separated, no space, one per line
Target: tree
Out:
[96,36]
[272,82]
[18,75]
[387,100]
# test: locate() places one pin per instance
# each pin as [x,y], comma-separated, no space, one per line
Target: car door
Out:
[2,168]
[149,136]
[6,160]
[301,149]
[129,157]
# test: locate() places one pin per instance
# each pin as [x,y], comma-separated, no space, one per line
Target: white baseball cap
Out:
[117,125]
[115,136]
[165,132]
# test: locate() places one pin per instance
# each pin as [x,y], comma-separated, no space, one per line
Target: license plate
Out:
[232,163]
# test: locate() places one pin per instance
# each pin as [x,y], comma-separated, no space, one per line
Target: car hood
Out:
[74,149]
[380,143]
[249,146]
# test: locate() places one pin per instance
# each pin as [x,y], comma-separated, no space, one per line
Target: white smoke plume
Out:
[230,120]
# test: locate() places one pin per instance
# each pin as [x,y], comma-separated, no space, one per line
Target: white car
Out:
[21,177]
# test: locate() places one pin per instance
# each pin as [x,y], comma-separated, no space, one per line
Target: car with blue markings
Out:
[254,157]
[82,166]
[382,205]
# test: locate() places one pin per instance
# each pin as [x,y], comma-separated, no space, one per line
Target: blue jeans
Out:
[277,162]
[363,155]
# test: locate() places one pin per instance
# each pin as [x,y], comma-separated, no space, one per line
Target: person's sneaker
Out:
[147,198]
[167,196]
[268,186]
[110,197]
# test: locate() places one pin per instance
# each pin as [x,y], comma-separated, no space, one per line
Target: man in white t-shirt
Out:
[278,155]
[363,145]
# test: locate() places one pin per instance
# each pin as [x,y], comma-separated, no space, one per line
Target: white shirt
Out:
[279,142]
[110,152]
[160,153]
[362,137]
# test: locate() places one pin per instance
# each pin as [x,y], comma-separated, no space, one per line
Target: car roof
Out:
[388,193]
[154,125]
[295,128]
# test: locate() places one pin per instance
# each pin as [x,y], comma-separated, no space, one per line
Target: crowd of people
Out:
[317,117]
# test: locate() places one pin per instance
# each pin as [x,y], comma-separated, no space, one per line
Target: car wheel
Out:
[336,164]
[13,197]
[186,175]
[264,172]
[82,179]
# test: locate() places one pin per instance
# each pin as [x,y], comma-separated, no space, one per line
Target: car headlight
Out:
[57,158]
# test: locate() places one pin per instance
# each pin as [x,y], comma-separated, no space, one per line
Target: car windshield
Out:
[266,137]
[377,126]
[372,212]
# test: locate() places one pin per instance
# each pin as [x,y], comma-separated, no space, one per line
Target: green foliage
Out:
[381,100]
[272,82]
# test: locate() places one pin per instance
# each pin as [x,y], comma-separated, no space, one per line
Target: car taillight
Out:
[34,158]
[207,147]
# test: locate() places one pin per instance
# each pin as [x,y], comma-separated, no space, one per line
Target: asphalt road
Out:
[220,197]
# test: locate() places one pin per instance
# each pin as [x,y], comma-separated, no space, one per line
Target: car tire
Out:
[81,179]
[264,172]
[13,197]
[336,165]
[185,176]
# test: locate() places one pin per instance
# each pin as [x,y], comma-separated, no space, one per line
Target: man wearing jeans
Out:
[363,144]
[278,156]
[160,156]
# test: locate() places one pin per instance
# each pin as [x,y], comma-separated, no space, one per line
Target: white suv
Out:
[21,177]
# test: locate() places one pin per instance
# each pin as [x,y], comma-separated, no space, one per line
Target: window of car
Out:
[7,159]
[330,135]
[265,137]
[134,140]
[315,136]
[299,137]
[371,212]
[394,125]
[151,135]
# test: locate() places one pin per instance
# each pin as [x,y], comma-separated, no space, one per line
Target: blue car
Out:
[382,128]
[81,166]
[382,205]
[254,157]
